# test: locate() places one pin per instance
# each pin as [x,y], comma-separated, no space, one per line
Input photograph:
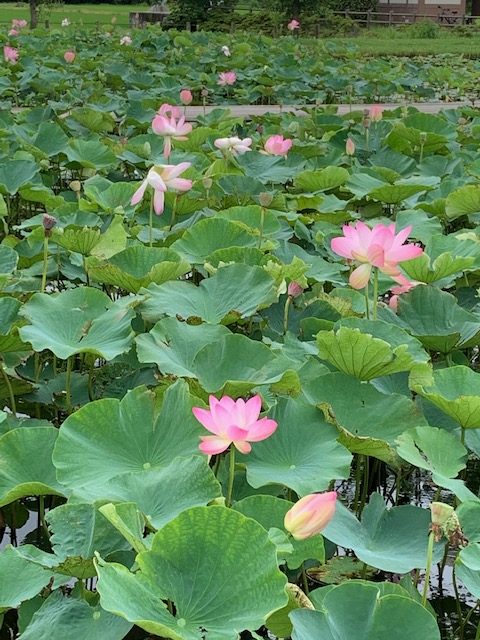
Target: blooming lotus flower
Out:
[163,178]
[186,96]
[13,33]
[69,56]
[310,514]
[278,145]
[227,78]
[171,129]
[233,422]
[169,110]
[405,285]
[376,113]
[350,147]
[10,54]
[293,24]
[126,41]
[19,24]
[65,22]
[378,247]
[235,145]
[226,51]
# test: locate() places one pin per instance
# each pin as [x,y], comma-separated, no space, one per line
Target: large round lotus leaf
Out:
[90,153]
[433,449]
[369,421]
[8,260]
[359,611]
[62,617]
[218,568]
[446,265]
[161,494]
[454,390]
[302,454]
[254,217]
[15,174]
[137,267]
[270,512]
[234,292]
[467,568]
[26,467]
[21,579]
[173,345]
[81,320]
[209,235]
[321,180]
[388,539]
[109,437]
[78,239]
[369,349]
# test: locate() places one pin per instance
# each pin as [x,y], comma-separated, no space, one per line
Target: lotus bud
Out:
[75,185]
[265,199]
[294,289]
[350,147]
[48,223]
[186,96]
[366,118]
[310,514]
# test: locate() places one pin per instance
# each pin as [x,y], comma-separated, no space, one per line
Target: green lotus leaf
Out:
[433,449]
[128,520]
[108,437]
[467,568]
[8,261]
[253,218]
[279,622]
[21,579]
[15,174]
[9,308]
[173,345]
[234,292]
[455,390]
[358,610]
[112,241]
[62,617]
[92,119]
[321,180]
[110,196]
[424,269]
[26,467]
[191,563]
[78,239]
[302,454]
[92,154]
[81,320]
[393,539]
[270,512]
[396,193]
[50,139]
[464,201]
[137,267]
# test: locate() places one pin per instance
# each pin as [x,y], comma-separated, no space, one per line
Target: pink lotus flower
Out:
[310,514]
[69,56]
[10,54]
[294,289]
[405,285]
[171,129]
[234,145]
[278,145]
[19,24]
[13,33]
[186,96]
[350,147]
[163,178]
[233,422]
[126,41]
[293,24]
[378,247]
[376,113]
[227,78]
[169,110]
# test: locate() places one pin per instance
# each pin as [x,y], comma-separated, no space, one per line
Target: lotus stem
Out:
[262,223]
[288,302]
[41,514]
[174,211]
[45,264]
[367,303]
[375,294]
[150,224]
[13,405]
[231,478]
[68,385]
[426,584]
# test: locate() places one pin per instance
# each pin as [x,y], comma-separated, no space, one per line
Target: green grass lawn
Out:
[77,14]
[414,46]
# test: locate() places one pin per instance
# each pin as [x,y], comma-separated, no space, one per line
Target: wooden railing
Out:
[390,18]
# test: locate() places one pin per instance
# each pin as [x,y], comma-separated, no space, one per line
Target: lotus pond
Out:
[238,359]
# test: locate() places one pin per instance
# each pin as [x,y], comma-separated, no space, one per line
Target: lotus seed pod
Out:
[76,185]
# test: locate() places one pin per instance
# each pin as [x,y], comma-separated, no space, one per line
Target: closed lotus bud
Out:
[310,515]
[186,96]
[294,289]
[265,199]
[48,223]
[350,147]
[75,185]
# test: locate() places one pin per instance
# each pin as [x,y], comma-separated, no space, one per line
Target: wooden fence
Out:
[391,18]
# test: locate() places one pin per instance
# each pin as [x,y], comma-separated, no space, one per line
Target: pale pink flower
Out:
[19,24]
[227,78]
[294,289]
[126,41]
[171,129]
[235,145]
[310,514]
[69,56]
[163,178]
[405,285]
[13,33]
[293,24]
[10,54]
[226,51]
[278,145]
[376,112]
[170,111]
[350,147]
[186,96]
[233,422]
[378,247]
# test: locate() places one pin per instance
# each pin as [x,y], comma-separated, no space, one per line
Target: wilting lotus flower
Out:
[186,96]
[405,285]
[235,145]
[171,129]
[163,178]
[376,113]
[19,24]
[65,22]
[226,51]
[378,247]
[310,514]
[10,54]
[69,56]
[293,24]
[350,147]
[233,422]
[278,145]
[227,78]
[126,41]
